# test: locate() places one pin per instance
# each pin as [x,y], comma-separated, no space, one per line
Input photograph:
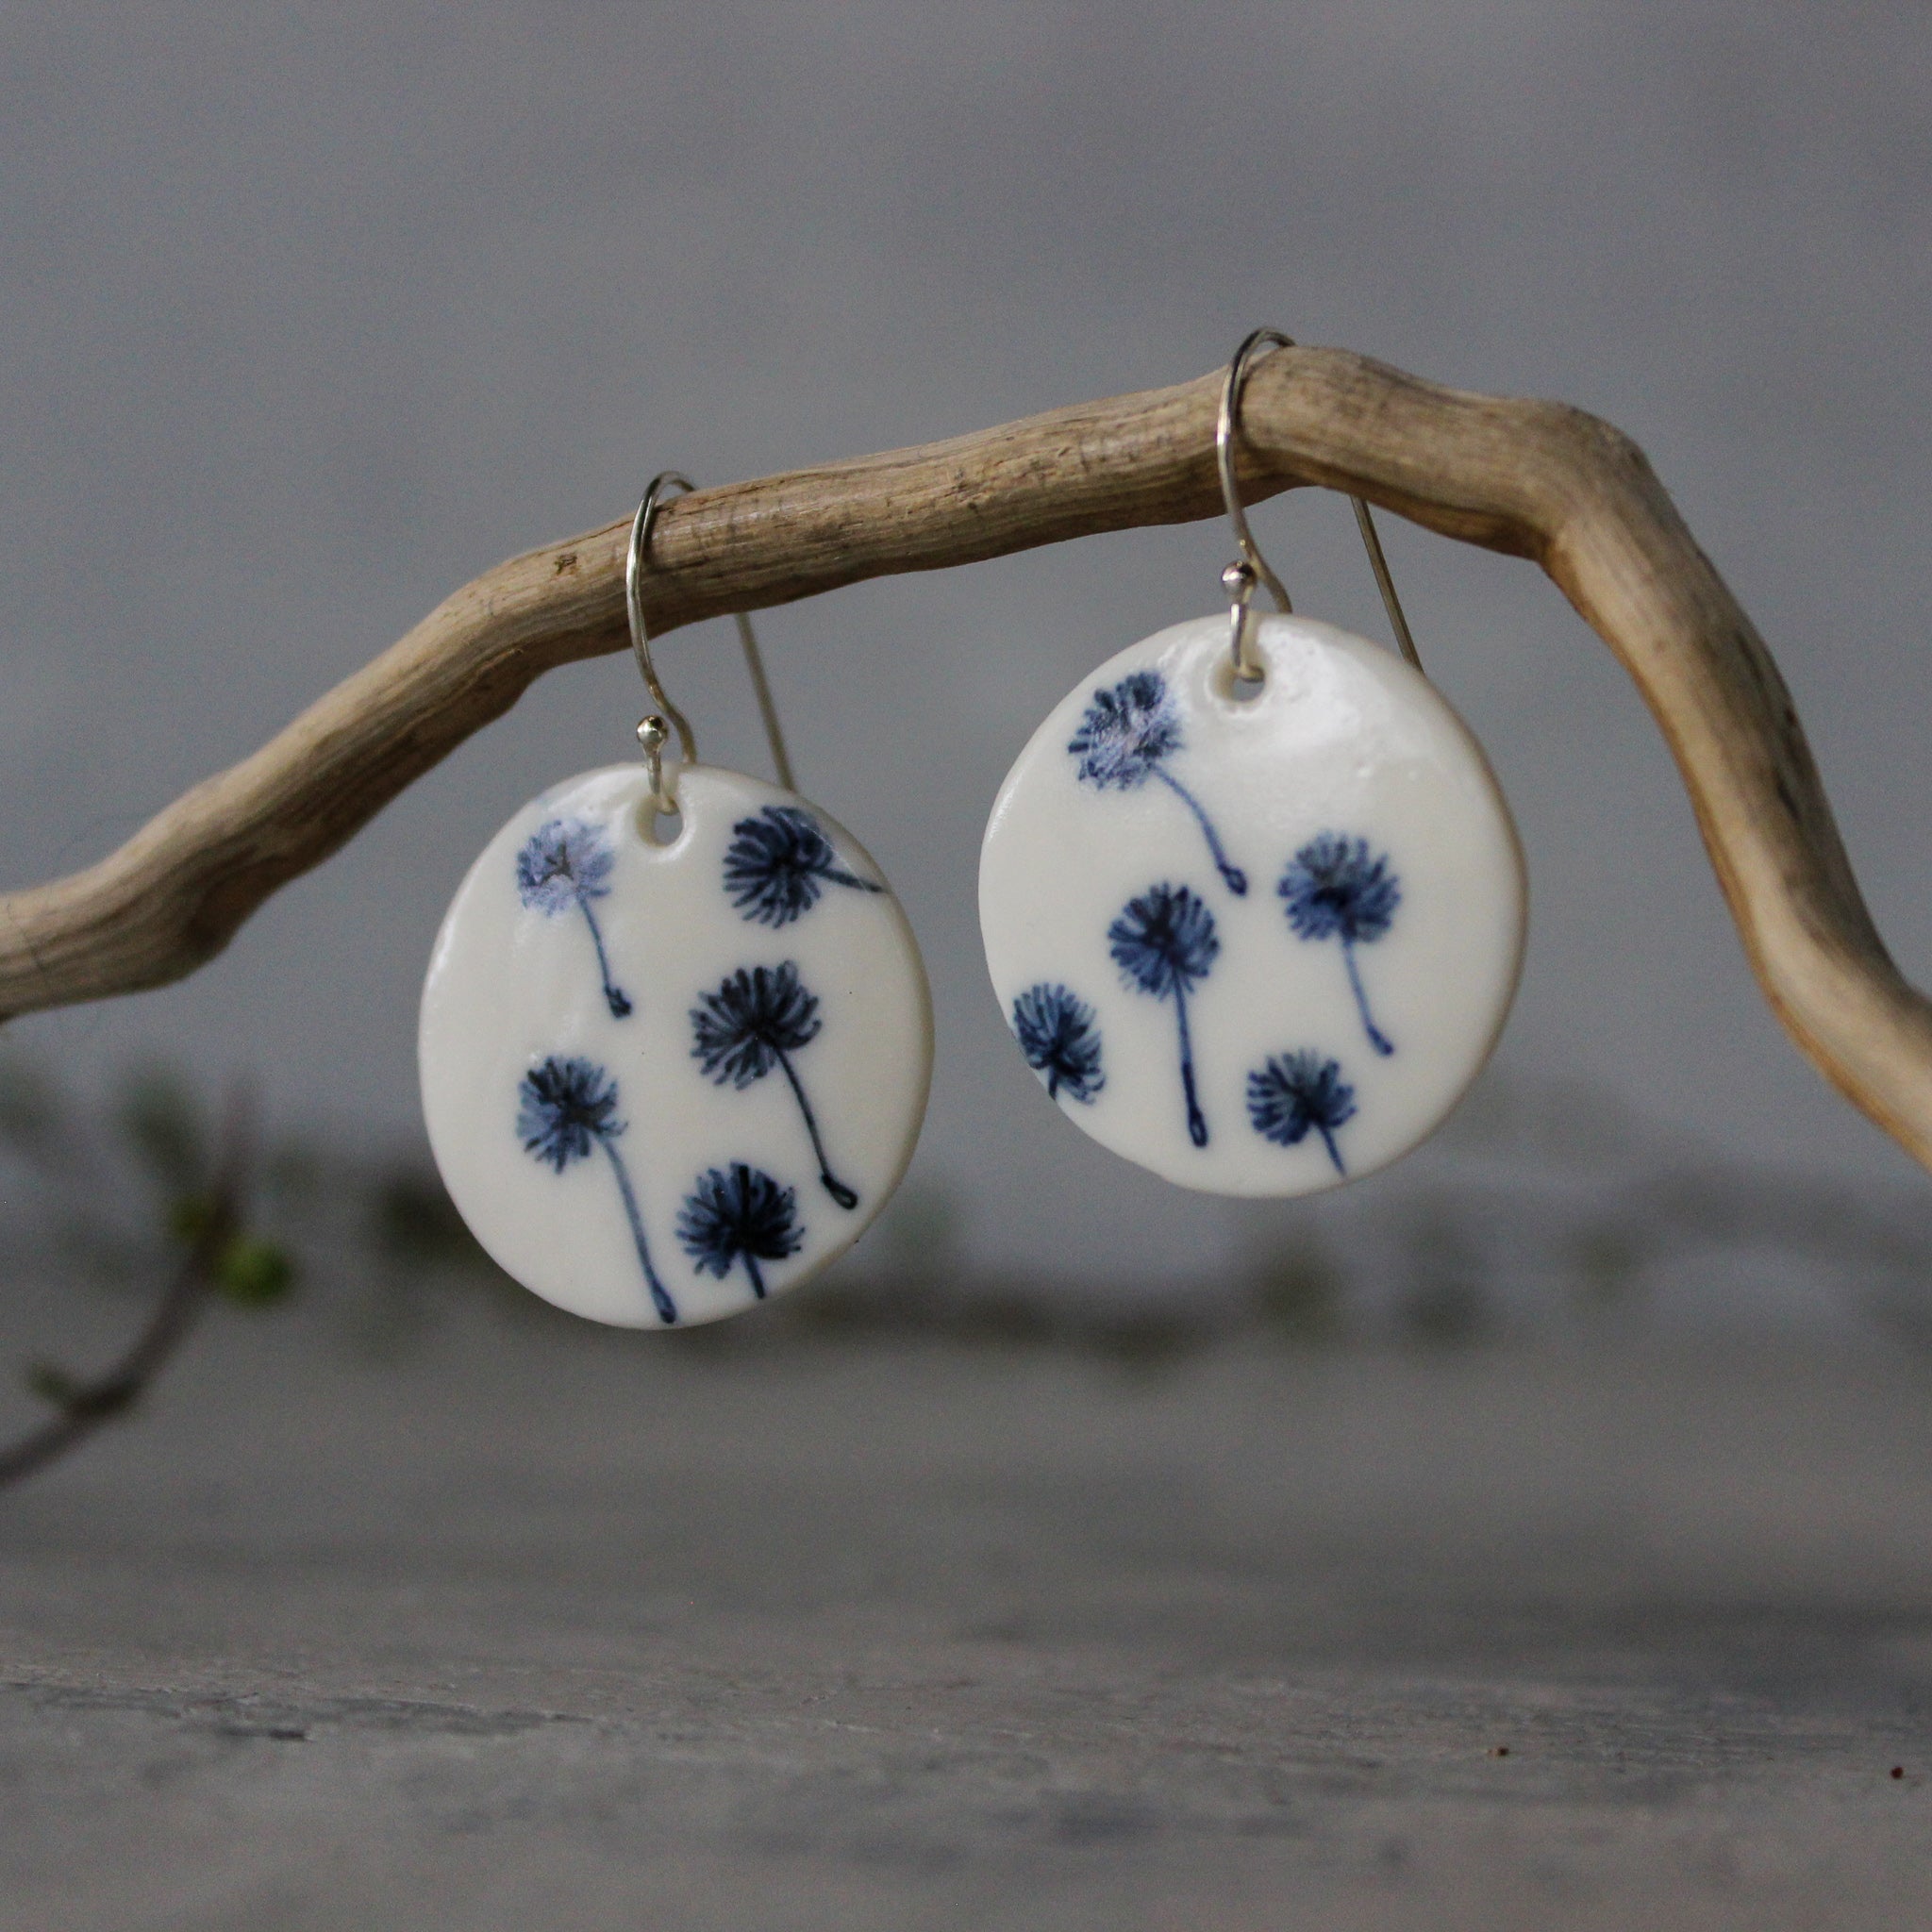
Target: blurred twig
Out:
[213,1232]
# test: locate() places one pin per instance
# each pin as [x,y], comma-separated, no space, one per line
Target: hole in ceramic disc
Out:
[658,829]
[1238,691]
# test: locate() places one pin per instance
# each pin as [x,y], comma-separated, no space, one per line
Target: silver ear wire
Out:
[1240,578]
[768,711]
[1384,583]
[654,730]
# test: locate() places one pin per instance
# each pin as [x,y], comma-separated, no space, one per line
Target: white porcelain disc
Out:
[663,1081]
[1260,948]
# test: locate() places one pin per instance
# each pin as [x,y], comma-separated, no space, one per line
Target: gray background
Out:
[308,318]
[416,1603]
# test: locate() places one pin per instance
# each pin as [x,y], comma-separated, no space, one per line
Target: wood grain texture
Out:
[1534,480]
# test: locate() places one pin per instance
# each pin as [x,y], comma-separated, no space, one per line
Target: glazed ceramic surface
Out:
[663,1081]
[1260,946]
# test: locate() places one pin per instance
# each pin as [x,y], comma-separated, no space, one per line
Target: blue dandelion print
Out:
[757,1019]
[739,1214]
[565,1108]
[1335,888]
[779,863]
[1164,943]
[565,865]
[1057,1034]
[1293,1094]
[1127,737]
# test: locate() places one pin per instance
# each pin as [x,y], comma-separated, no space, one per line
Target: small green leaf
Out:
[255,1273]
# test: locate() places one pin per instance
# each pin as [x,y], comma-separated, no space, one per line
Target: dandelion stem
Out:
[751,1268]
[845,1196]
[1377,1039]
[1197,1124]
[1328,1141]
[618,1002]
[848,878]
[1236,879]
[667,1309]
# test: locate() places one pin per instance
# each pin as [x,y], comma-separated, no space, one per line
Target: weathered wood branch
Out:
[1531,478]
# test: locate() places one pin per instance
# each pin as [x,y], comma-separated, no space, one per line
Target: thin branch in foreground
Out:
[82,1408]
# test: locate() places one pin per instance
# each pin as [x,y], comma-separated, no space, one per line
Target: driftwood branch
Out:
[1530,479]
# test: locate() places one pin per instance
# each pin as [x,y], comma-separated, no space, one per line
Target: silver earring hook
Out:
[1384,583]
[1240,578]
[653,732]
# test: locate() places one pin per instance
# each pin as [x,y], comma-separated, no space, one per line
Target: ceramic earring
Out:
[667,1077]
[1252,900]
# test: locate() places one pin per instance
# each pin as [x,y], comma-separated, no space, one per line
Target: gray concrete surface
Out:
[538,1630]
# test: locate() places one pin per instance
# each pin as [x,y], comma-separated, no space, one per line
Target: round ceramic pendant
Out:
[1262,944]
[663,1081]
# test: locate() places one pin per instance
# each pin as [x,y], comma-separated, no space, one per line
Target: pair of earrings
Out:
[1251,899]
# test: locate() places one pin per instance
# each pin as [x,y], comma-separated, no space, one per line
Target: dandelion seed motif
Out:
[739,1214]
[1125,739]
[1163,942]
[778,863]
[1057,1034]
[566,1107]
[564,864]
[756,1021]
[1291,1093]
[1334,887]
